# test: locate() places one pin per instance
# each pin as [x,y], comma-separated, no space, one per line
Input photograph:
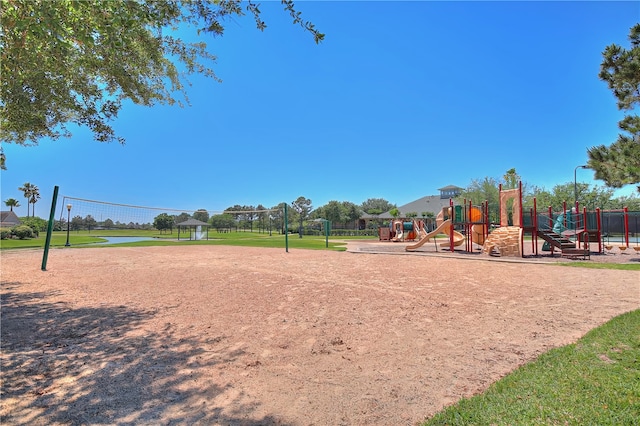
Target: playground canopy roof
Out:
[192,222]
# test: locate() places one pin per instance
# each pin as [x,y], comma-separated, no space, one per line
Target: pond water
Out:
[120,240]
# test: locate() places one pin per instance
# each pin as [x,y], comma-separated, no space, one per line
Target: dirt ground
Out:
[214,335]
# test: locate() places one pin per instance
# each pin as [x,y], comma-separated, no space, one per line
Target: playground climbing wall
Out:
[506,240]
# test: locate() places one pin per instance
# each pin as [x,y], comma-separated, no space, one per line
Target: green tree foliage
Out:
[479,191]
[352,211]
[262,216]
[37,224]
[222,221]
[376,206]
[248,217]
[511,179]
[89,222]
[202,215]
[35,196]
[182,217]
[235,211]
[619,164]
[277,217]
[302,206]
[11,203]
[5,233]
[76,223]
[338,212]
[29,190]
[163,222]
[488,189]
[332,211]
[562,195]
[632,202]
[76,61]
[23,232]
[591,197]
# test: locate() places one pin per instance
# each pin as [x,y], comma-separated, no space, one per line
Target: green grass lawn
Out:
[249,239]
[593,382]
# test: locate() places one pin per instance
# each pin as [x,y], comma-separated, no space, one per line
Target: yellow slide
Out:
[443,228]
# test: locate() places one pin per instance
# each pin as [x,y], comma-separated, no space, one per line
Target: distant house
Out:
[8,219]
[428,204]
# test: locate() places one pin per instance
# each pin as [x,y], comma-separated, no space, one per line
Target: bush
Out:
[23,232]
[5,233]
[35,223]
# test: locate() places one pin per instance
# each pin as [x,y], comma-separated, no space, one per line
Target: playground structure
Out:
[570,232]
[507,239]
[445,225]
[406,230]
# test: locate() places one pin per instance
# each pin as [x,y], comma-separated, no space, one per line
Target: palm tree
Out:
[35,196]
[11,203]
[27,189]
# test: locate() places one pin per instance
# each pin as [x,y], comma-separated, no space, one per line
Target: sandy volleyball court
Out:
[249,336]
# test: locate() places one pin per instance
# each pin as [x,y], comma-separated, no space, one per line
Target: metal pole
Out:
[45,255]
[68,222]
[575,184]
[286,229]
[326,233]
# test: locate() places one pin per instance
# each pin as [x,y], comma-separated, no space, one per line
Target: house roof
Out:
[193,222]
[450,188]
[430,203]
[8,219]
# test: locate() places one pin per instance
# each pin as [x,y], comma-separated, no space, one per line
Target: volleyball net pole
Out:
[47,242]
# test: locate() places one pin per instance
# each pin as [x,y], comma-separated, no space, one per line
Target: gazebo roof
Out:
[193,222]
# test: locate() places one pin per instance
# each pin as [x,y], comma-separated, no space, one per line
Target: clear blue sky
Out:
[402,98]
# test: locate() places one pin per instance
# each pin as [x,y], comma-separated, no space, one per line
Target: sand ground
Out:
[216,335]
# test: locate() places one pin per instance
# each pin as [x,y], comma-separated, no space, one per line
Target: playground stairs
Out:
[556,240]
[567,247]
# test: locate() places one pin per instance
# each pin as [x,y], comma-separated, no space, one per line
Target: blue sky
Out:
[402,98]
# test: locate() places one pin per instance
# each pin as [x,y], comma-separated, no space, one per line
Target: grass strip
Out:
[620,266]
[595,381]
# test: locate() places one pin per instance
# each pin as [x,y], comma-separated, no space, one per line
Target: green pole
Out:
[286,229]
[49,228]
[326,233]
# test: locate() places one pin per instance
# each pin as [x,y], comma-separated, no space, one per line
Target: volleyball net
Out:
[91,214]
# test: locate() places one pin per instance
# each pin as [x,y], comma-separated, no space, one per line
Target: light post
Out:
[575,183]
[68,223]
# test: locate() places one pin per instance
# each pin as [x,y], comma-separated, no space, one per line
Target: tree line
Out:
[262,219]
[343,214]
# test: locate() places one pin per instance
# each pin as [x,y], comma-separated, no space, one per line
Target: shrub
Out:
[5,233]
[37,224]
[23,232]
